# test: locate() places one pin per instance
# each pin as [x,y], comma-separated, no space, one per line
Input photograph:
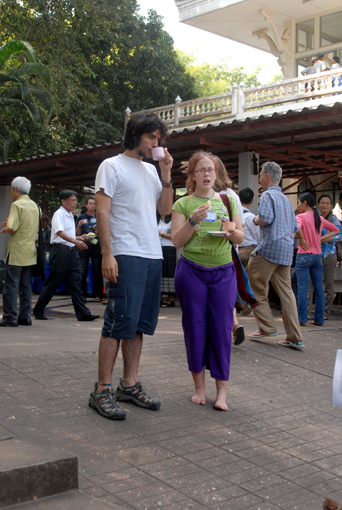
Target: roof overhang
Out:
[238,19]
[305,142]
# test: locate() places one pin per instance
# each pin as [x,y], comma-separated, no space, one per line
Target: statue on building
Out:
[280,45]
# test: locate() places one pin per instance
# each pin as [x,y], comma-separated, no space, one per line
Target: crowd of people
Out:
[136,253]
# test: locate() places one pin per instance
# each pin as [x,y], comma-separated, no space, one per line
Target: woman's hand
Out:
[237,235]
[304,244]
[229,226]
[200,213]
[233,234]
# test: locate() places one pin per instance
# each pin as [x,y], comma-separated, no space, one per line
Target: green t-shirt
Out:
[203,248]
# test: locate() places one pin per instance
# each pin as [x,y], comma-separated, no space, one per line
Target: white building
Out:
[295,31]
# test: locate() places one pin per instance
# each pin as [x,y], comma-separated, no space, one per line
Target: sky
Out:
[207,47]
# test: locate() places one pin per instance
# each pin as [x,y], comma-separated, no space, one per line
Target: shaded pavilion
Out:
[305,142]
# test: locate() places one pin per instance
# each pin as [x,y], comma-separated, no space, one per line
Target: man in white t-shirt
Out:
[128,192]
[319,66]
[338,208]
[64,261]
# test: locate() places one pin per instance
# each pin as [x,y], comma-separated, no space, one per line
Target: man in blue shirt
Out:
[271,261]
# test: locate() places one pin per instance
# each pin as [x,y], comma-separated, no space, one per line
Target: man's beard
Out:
[143,154]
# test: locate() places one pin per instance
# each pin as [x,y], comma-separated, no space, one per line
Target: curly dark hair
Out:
[141,123]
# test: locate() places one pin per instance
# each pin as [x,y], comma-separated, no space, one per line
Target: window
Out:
[305,35]
[331,29]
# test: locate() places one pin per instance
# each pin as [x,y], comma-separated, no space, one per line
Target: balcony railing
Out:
[242,100]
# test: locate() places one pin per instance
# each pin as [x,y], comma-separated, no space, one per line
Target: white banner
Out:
[337,381]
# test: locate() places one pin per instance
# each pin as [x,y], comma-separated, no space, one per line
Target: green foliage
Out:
[103,57]
[278,77]
[216,79]
[19,90]
[48,199]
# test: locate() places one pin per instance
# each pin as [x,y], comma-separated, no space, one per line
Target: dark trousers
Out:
[65,266]
[17,278]
[96,259]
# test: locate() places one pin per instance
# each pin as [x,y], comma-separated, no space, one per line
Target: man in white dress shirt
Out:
[65,264]
[252,231]
[252,234]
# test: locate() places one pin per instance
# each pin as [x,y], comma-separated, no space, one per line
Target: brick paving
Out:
[278,447]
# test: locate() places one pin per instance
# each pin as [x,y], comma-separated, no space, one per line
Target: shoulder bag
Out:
[245,293]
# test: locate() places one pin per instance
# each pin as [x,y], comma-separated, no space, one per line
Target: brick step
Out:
[72,500]
[29,472]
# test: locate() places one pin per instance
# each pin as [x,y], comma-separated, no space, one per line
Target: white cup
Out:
[158,153]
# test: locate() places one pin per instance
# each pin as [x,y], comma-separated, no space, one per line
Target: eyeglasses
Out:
[203,171]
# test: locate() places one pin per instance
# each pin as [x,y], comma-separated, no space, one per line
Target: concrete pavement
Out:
[278,447]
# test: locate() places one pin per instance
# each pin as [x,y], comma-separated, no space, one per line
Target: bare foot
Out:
[199,397]
[221,406]
[220,402]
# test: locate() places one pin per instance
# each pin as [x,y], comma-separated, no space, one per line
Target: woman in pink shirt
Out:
[309,258]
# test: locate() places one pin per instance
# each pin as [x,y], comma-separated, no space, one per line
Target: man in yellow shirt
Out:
[22,227]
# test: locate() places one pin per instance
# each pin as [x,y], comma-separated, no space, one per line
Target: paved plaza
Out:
[279,446]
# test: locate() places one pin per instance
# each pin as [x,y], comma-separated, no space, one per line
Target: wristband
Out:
[166,184]
[192,222]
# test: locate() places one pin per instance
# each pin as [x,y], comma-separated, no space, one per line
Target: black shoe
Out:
[40,317]
[88,318]
[11,324]
[106,404]
[24,322]
[137,395]
[238,335]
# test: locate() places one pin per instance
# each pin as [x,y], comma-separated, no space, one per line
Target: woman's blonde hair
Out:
[188,167]
[223,181]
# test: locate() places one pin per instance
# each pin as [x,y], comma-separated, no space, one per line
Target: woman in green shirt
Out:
[205,278]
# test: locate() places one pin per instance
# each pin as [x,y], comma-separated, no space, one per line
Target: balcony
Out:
[297,93]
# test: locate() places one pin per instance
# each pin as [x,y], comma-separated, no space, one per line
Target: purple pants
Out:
[207,297]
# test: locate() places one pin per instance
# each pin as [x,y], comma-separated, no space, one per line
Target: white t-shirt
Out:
[236,198]
[319,66]
[337,211]
[135,188]
[64,221]
[165,228]
[252,232]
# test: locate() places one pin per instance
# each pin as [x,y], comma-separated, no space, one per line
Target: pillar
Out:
[249,175]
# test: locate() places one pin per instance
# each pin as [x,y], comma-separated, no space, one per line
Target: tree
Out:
[17,92]
[103,57]
[216,79]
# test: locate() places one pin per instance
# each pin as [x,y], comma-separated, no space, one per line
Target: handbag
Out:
[39,268]
[339,250]
[245,293]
